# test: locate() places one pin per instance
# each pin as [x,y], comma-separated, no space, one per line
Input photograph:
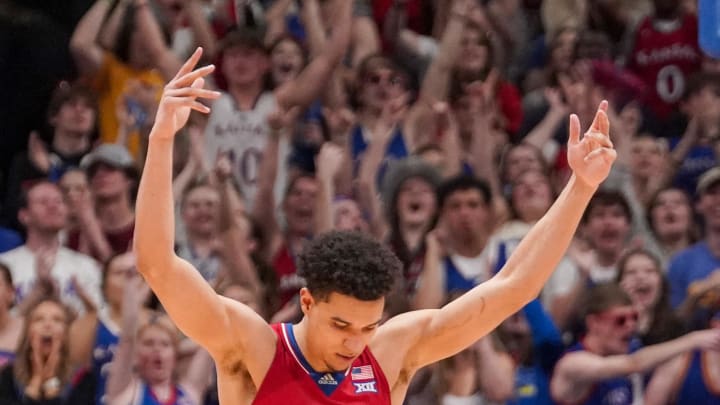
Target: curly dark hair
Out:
[349,263]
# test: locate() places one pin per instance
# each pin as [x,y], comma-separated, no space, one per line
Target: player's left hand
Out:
[592,156]
[181,94]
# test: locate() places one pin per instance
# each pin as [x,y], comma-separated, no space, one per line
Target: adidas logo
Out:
[327,379]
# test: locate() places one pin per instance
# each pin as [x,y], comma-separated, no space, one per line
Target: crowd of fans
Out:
[437,126]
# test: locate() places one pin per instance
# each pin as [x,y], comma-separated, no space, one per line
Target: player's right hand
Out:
[180,96]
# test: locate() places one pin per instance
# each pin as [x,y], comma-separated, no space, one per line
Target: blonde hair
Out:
[157,319]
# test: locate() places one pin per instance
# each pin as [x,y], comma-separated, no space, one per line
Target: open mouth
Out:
[304,213]
[670,219]
[643,291]
[285,68]
[609,236]
[204,219]
[414,207]
[156,363]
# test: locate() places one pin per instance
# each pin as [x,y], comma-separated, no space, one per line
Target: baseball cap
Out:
[708,179]
[111,154]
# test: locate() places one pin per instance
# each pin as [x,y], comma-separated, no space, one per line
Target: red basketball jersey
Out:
[664,56]
[291,381]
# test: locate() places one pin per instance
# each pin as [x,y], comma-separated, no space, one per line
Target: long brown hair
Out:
[664,325]
[23,364]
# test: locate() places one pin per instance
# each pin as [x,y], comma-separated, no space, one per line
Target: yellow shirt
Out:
[111,81]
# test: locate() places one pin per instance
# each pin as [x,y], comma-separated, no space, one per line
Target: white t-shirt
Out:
[244,135]
[68,264]
[511,233]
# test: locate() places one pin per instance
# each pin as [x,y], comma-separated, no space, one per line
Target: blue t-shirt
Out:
[614,391]
[106,341]
[698,160]
[692,264]
[532,381]
[396,149]
[9,240]
[695,389]
[455,281]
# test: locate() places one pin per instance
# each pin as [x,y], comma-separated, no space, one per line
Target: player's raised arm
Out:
[198,311]
[446,331]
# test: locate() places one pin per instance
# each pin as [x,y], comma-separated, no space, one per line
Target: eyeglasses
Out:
[621,319]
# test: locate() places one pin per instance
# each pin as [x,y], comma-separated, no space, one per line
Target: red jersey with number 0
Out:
[292,381]
[664,55]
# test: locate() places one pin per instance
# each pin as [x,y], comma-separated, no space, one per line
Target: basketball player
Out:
[339,353]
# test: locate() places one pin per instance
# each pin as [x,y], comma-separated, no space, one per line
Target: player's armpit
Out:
[394,340]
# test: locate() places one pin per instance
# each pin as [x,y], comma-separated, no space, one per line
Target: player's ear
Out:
[306,300]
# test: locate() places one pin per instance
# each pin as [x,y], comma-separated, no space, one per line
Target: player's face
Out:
[340,327]
[156,354]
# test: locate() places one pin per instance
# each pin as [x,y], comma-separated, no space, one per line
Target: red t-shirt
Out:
[418,19]
[664,58]
[120,241]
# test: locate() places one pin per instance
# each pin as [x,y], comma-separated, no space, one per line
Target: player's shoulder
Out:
[406,324]
[248,330]
[395,342]
[397,337]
